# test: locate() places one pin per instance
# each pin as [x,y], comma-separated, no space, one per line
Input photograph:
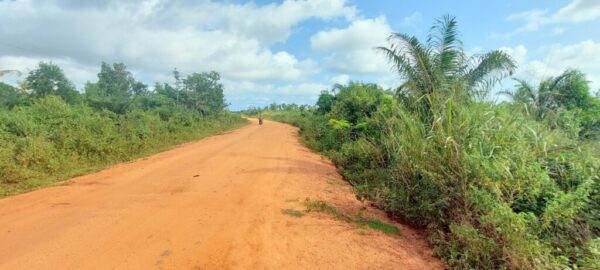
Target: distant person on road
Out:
[260,120]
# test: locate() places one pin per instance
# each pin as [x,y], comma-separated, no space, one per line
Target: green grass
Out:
[382,226]
[498,186]
[292,212]
[64,141]
[323,207]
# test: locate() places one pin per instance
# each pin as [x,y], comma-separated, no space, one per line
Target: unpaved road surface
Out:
[212,204]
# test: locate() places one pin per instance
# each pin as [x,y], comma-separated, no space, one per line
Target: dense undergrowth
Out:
[514,185]
[49,132]
[494,187]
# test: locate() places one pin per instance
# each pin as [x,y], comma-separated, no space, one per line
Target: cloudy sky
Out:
[285,51]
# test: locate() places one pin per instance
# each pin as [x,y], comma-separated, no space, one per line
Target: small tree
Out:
[570,90]
[325,102]
[11,96]
[356,102]
[204,92]
[116,88]
[49,79]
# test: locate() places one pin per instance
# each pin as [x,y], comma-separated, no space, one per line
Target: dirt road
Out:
[212,204]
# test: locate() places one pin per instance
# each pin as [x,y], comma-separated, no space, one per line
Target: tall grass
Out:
[494,187]
[51,140]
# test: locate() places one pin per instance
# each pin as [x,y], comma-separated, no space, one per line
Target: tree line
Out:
[118,91]
[50,131]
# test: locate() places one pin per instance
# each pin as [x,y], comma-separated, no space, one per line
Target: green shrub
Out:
[496,187]
[51,140]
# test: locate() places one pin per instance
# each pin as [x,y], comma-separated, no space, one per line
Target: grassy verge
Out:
[50,141]
[325,208]
[495,188]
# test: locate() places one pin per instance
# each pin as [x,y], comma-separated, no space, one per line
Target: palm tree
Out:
[534,98]
[569,89]
[441,63]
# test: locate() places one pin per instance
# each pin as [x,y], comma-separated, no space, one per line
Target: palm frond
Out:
[444,40]
[510,94]
[418,57]
[400,62]
[557,80]
[525,92]
[488,69]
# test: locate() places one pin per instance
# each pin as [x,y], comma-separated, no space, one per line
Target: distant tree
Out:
[273,106]
[118,81]
[166,91]
[49,79]
[11,96]
[204,92]
[441,64]
[325,101]
[177,76]
[358,101]
[570,90]
[116,88]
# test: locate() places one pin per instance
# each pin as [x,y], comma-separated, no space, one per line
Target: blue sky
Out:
[286,51]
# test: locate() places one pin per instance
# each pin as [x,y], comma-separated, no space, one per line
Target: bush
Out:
[52,140]
[496,187]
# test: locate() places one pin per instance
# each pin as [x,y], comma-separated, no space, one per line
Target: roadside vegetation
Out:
[510,185]
[325,208]
[320,206]
[49,131]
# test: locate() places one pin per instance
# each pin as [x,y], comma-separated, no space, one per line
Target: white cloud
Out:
[279,19]
[518,53]
[340,79]
[352,49]
[576,11]
[583,56]
[533,20]
[244,93]
[413,20]
[152,37]
[360,34]
[77,73]
[294,89]
[558,30]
